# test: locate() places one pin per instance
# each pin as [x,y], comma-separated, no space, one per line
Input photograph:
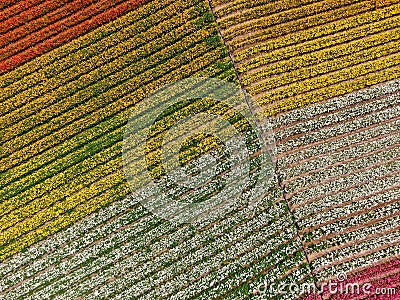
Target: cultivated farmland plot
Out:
[320,81]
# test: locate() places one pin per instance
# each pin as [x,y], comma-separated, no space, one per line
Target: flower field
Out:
[305,62]
[294,53]
[67,217]
[49,24]
[324,73]
[339,169]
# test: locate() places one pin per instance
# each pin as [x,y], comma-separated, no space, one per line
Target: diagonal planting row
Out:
[84,135]
[65,219]
[135,241]
[339,167]
[50,24]
[81,42]
[338,160]
[10,21]
[295,53]
[12,7]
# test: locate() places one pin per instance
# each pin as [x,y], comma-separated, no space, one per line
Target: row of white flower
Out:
[61,253]
[345,175]
[356,186]
[356,206]
[72,248]
[60,270]
[64,267]
[353,167]
[355,174]
[334,162]
[202,267]
[370,245]
[227,270]
[238,276]
[336,145]
[340,129]
[359,262]
[330,106]
[350,167]
[179,255]
[361,233]
[357,220]
[355,110]
[65,242]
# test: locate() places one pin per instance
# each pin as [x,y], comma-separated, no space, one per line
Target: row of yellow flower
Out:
[294,57]
[58,208]
[59,186]
[101,58]
[143,18]
[351,37]
[331,79]
[235,5]
[62,151]
[90,171]
[206,145]
[382,3]
[332,52]
[62,178]
[220,2]
[57,173]
[75,183]
[88,93]
[45,216]
[117,108]
[310,28]
[353,56]
[277,13]
[321,69]
[315,39]
[53,160]
[265,11]
[334,90]
[105,192]
[108,96]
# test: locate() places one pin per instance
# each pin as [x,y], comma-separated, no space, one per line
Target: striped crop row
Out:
[25,39]
[339,161]
[322,57]
[66,217]
[45,183]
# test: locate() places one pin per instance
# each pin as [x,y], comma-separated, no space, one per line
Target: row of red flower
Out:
[63,31]
[10,22]
[11,8]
